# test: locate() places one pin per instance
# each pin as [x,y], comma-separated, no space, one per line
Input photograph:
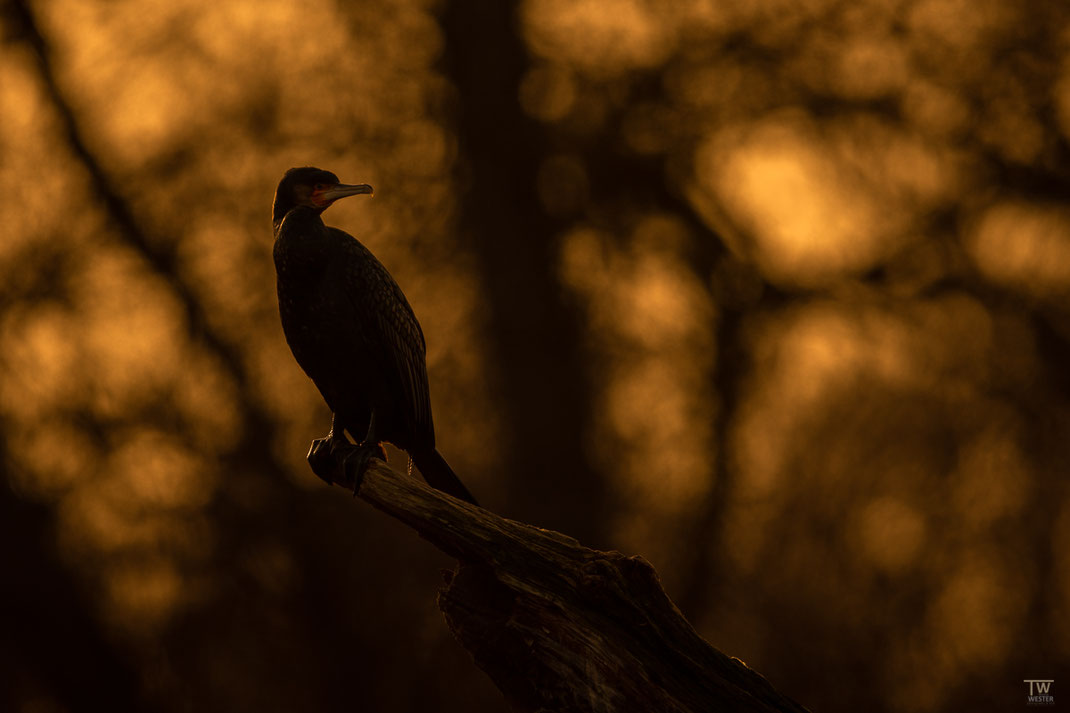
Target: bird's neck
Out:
[298,220]
[304,214]
[302,241]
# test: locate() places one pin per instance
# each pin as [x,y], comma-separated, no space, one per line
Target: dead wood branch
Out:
[561,627]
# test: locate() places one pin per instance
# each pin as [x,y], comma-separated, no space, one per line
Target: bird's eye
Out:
[320,186]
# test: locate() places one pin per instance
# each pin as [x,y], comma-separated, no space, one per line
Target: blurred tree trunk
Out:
[539,371]
[54,652]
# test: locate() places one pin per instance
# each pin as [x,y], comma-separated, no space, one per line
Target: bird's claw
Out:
[322,460]
[336,460]
[356,461]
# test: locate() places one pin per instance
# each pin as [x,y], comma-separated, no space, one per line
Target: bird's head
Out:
[311,187]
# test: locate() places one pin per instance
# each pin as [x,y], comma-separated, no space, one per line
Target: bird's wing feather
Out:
[392,335]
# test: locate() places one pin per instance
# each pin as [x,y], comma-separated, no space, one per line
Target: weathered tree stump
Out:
[558,626]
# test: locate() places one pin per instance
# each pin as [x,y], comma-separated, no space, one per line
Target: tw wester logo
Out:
[1039,692]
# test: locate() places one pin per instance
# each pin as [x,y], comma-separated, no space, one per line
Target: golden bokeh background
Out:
[776,294]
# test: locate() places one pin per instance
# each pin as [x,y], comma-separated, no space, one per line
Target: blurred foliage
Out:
[773,293]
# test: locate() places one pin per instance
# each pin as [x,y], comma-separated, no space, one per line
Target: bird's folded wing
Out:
[393,335]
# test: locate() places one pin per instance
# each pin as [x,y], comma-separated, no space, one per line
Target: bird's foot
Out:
[336,460]
[322,459]
[356,461]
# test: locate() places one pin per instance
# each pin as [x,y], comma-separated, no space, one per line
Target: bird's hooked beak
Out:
[325,196]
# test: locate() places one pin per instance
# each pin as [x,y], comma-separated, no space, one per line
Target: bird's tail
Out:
[438,474]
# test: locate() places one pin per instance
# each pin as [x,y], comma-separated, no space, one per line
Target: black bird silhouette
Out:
[351,329]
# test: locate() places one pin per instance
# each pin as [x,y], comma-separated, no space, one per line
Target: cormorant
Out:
[351,329]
